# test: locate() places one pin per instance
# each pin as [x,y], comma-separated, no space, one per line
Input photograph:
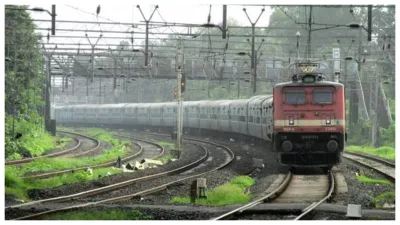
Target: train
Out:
[304,118]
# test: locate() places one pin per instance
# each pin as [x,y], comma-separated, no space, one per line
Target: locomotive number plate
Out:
[288,129]
[330,128]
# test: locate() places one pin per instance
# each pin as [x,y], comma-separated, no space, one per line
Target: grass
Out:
[99,215]
[166,158]
[166,144]
[62,141]
[49,164]
[368,180]
[386,197]
[101,134]
[42,143]
[17,186]
[61,128]
[384,152]
[228,193]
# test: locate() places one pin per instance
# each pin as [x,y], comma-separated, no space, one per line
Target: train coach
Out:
[246,116]
[304,118]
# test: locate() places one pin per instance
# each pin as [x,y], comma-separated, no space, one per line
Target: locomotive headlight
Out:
[291,120]
[328,120]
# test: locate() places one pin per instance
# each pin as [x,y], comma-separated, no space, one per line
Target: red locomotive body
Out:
[309,121]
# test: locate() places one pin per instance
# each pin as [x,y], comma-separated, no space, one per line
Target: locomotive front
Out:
[309,119]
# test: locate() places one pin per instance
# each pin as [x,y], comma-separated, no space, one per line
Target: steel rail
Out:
[26,160]
[85,152]
[113,186]
[138,194]
[371,157]
[314,205]
[107,164]
[388,176]
[56,173]
[260,200]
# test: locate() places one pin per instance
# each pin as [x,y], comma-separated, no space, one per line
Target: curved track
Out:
[145,153]
[63,152]
[88,145]
[123,184]
[384,167]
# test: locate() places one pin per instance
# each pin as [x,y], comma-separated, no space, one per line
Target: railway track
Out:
[63,152]
[291,186]
[382,166]
[124,184]
[149,153]
[88,145]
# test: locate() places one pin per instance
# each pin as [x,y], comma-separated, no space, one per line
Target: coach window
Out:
[295,98]
[322,97]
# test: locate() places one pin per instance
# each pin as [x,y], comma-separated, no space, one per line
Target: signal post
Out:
[179,62]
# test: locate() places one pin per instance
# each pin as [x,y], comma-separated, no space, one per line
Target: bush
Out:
[229,193]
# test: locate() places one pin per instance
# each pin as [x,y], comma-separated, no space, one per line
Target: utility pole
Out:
[147,33]
[375,132]
[309,34]
[253,53]
[115,58]
[92,62]
[353,96]
[180,61]
[47,91]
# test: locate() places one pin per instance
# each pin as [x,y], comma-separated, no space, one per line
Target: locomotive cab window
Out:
[295,97]
[322,97]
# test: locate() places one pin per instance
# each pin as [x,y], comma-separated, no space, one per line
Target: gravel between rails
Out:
[217,158]
[86,145]
[360,193]
[241,165]
[191,154]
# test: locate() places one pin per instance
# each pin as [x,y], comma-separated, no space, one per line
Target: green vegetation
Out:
[102,134]
[49,164]
[17,186]
[99,215]
[384,152]
[228,193]
[383,198]
[166,158]
[368,180]
[166,144]
[23,87]
[61,142]
[33,141]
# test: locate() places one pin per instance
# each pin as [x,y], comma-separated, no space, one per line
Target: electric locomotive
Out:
[309,119]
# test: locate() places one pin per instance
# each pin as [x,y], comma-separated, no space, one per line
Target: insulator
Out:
[98,10]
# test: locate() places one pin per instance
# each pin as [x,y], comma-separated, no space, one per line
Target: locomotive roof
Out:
[301,84]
